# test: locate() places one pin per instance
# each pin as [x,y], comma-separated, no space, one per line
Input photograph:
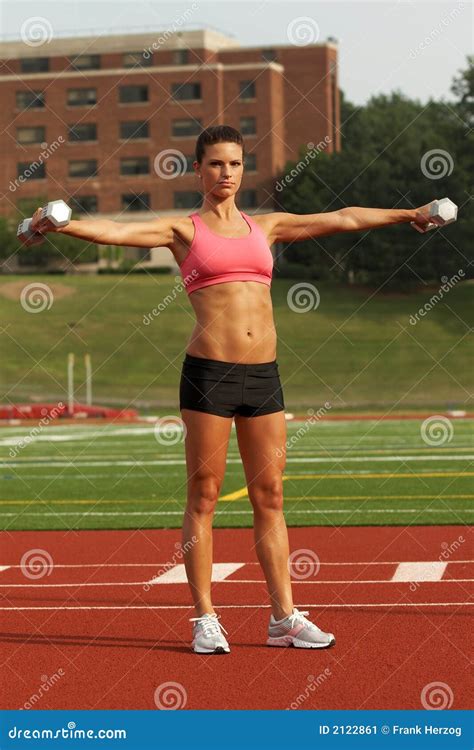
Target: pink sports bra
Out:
[213,259]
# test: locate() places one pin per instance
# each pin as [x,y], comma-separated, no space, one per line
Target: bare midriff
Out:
[234,323]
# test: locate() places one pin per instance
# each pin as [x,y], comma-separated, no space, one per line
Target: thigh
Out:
[206,442]
[262,445]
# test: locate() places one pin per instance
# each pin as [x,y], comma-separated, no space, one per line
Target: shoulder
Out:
[269,224]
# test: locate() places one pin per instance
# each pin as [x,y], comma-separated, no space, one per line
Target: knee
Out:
[203,494]
[268,495]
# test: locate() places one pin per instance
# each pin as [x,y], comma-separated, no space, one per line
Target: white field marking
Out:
[329,511]
[6,567]
[180,580]
[177,574]
[419,571]
[182,462]
[238,606]
[251,562]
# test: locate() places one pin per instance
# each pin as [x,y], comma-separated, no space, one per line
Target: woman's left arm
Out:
[294,227]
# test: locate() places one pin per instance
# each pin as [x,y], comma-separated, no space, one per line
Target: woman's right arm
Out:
[154,233]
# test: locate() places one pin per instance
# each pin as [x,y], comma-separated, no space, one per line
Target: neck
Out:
[225,210]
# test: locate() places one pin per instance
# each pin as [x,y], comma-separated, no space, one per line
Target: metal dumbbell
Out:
[55,213]
[442,212]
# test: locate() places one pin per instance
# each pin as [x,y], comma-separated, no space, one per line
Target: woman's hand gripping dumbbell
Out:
[48,218]
[438,213]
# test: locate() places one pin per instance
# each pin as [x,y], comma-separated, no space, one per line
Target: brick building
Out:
[91,120]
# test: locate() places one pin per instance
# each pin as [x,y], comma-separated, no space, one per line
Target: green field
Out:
[131,476]
[357,350]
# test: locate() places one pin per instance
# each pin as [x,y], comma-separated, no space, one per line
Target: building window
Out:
[187,199]
[83,168]
[34,64]
[184,128]
[251,162]
[136,202]
[137,165]
[180,56]
[84,204]
[186,91]
[248,125]
[81,97]
[133,94]
[136,59]
[248,199]
[134,129]
[247,90]
[269,55]
[85,62]
[31,170]
[84,131]
[30,100]
[31,135]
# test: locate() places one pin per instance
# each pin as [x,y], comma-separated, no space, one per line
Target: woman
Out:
[230,369]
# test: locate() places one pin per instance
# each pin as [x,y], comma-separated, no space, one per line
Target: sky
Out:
[415,47]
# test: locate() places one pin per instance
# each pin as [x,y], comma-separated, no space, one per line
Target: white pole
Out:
[87,362]
[70,383]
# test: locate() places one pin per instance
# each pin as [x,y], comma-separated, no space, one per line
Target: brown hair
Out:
[217,134]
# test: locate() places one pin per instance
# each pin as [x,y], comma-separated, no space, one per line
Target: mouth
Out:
[226,184]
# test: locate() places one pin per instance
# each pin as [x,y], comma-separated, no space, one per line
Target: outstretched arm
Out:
[154,233]
[294,227]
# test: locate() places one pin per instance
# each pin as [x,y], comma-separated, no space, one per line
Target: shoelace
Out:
[300,617]
[210,624]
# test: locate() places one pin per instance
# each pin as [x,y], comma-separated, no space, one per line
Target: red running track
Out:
[116,644]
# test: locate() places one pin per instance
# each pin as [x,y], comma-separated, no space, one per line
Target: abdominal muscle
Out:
[234,323]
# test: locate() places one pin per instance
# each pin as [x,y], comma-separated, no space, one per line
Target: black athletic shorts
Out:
[226,388]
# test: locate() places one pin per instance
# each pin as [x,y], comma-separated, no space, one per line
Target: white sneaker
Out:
[296,630]
[207,635]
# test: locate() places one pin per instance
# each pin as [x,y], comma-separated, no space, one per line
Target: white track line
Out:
[419,571]
[328,511]
[230,580]
[182,462]
[237,606]
[251,562]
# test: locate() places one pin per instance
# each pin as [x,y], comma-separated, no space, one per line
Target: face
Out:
[221,169]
